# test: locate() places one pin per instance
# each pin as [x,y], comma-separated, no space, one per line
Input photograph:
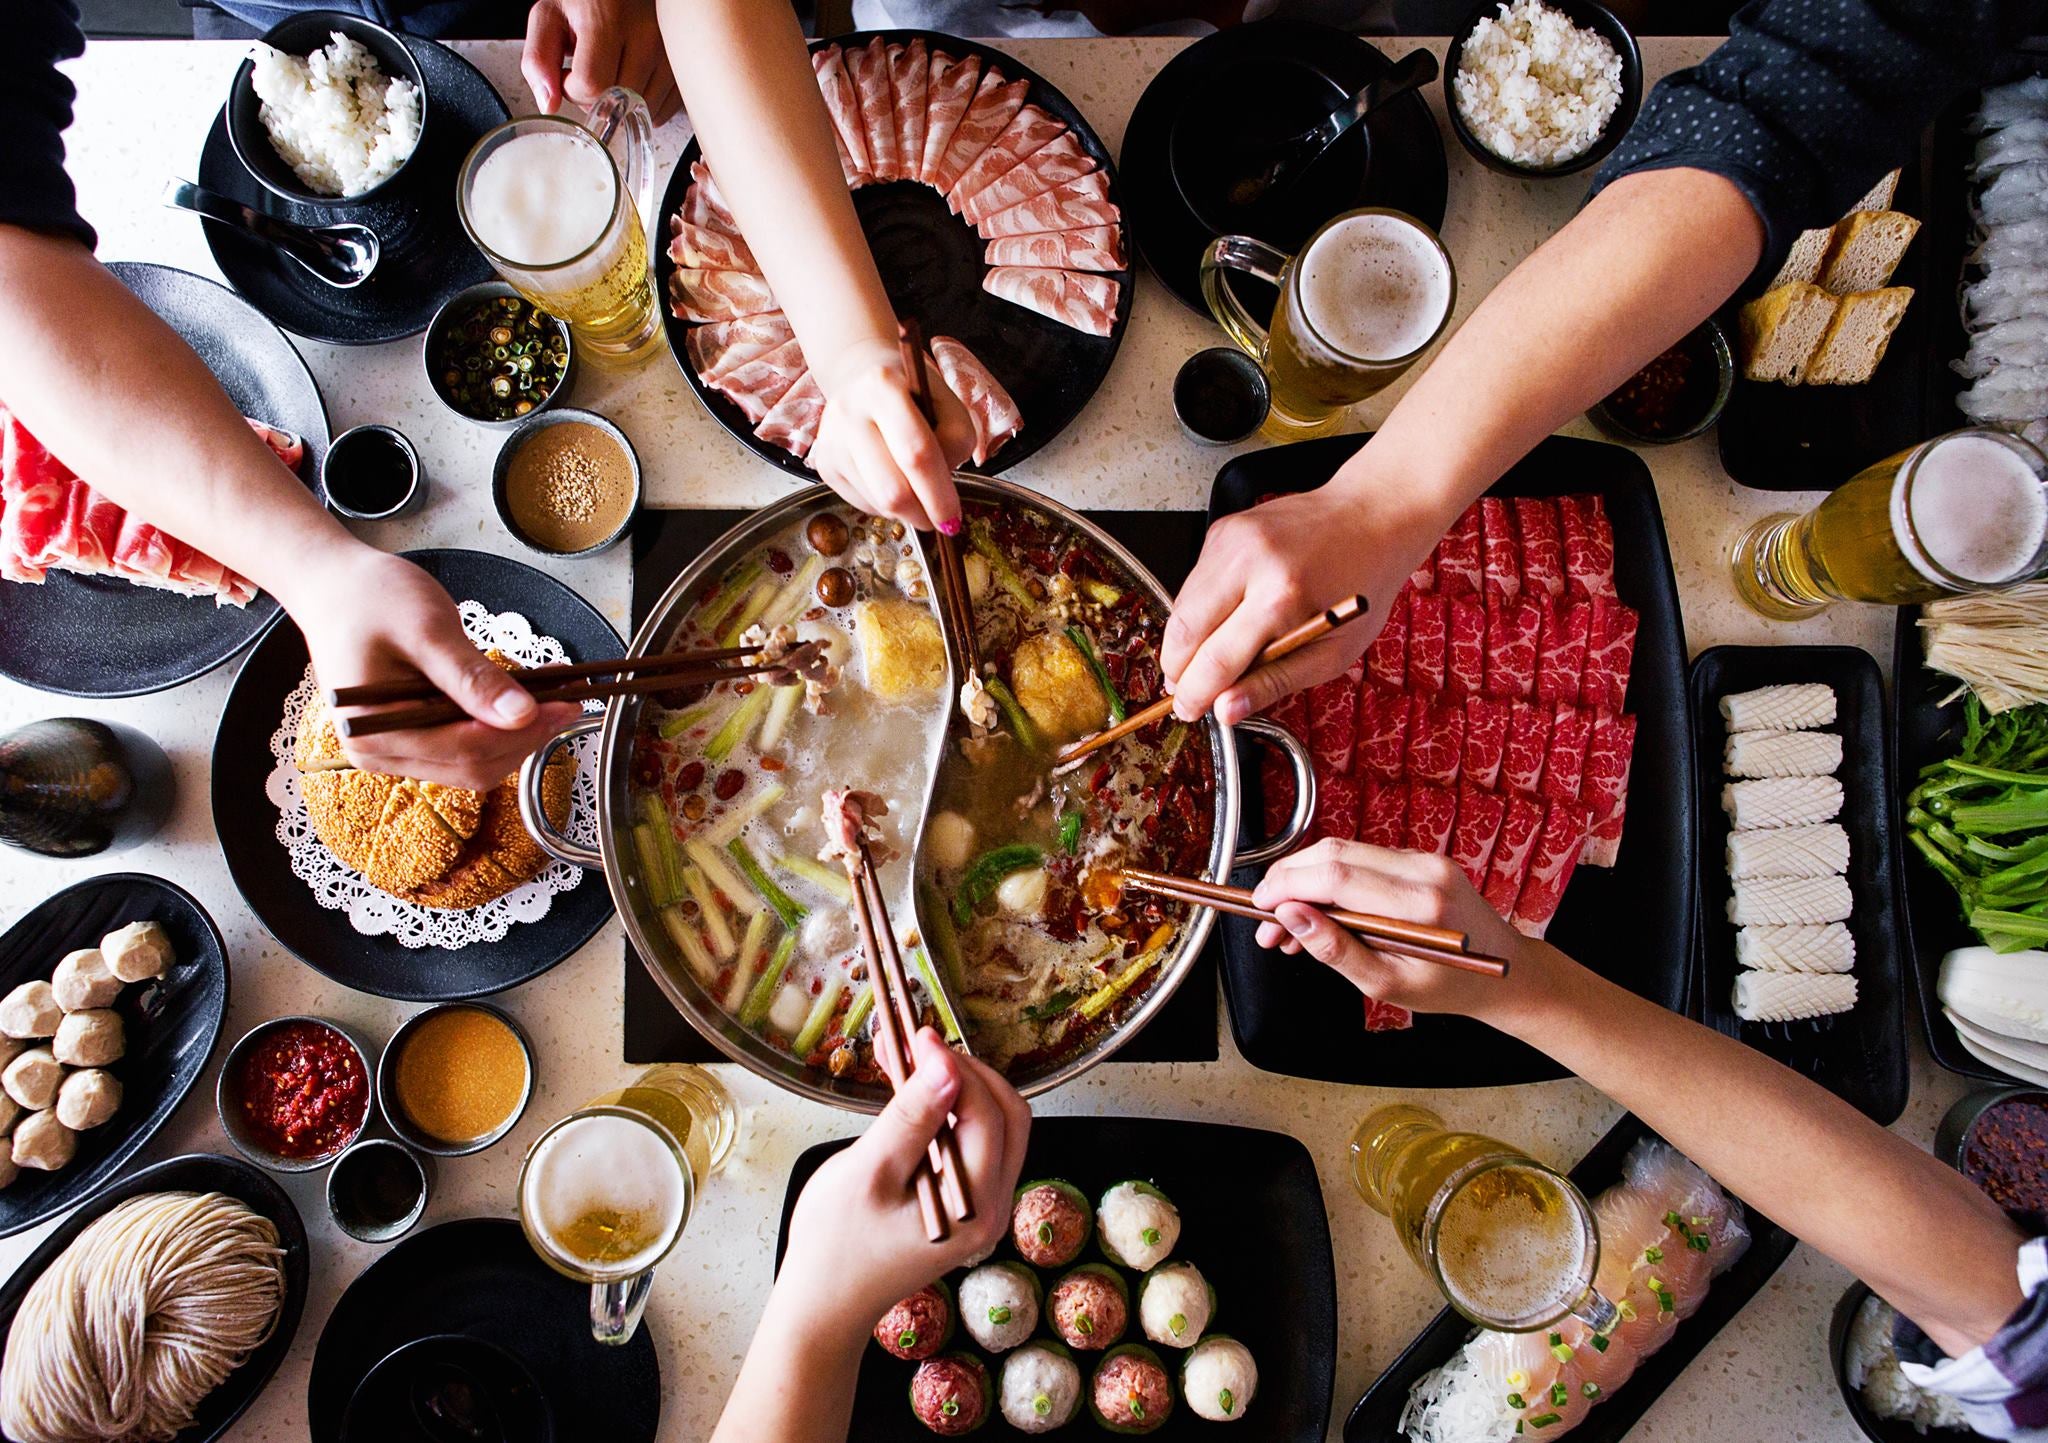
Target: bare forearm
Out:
[796,1385]
[1650,258]
[754,101]
[116,395]
[1918,1232]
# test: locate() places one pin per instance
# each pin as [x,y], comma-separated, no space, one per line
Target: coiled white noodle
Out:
[147,1312]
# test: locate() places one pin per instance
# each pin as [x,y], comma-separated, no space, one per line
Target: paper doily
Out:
[340,888]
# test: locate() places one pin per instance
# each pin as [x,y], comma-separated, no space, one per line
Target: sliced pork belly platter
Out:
[1485,721]
[907,111]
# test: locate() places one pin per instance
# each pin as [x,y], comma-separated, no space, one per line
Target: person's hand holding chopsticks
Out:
[1411,887]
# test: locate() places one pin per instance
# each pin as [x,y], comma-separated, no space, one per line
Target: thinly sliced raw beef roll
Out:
[868,68]
[1076,205]
[949,90]
[718,295]
[1098,248]
[1079,299]
[996,102]
[697,247]
[793,424]
[841,101]
[716,348]
[1053,165]
[996,417]
[1029,131]
[909,69]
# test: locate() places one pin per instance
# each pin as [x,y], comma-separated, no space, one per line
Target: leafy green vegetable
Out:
[978,882]
[1070,833]
[791,911]
[1015,717]
[1980,819]
[1084,644]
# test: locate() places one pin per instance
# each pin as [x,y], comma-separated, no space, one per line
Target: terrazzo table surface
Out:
[144,107]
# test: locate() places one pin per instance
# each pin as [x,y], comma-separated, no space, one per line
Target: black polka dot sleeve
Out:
[1811,101]
[35,106]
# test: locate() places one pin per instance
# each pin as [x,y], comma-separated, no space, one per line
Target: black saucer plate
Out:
[931,264]
[246,819]
[1859,1055]
[1253,1222]
[54,636]
[480,1277]
[1270,79]
[171,1026]
[1632,923]
[427,257]
[1377,1414]
[195,1172]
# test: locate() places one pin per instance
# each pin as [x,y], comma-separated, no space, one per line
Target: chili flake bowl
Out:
[457,307]
[401,1123]
[228,1098]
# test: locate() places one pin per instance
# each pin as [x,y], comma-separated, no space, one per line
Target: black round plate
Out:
[195,1172]
[171,1027]
[931,263]
[246,819]
[54,637]
[1269,80]
[479,1276]
[427,257]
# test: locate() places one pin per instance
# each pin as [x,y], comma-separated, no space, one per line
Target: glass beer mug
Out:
[1359,304]
[1510,1243]
[605,1194]
[566,225]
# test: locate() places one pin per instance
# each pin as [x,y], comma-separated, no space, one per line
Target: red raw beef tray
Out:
[1632,922]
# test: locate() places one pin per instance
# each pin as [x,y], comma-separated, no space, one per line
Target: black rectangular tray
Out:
[1774,437]
[1632,923]
[666,541]
[1253,1222]
[1374,1418]
[1930,917]
[1859,1055]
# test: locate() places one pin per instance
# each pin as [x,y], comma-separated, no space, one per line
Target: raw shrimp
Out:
[2022,341]
[2022,244]
[2011,393]
[2004,105]
[2007,293]
[2019,193]
[2015,144]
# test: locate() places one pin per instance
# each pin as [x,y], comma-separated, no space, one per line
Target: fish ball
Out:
[84,980]
[949,840]
[44,1142]
[88,1098]
[30,1010]
[1022,894]
[8,1171]
[137,952]
[33,1078]
[787,1012]
[10,1113]
[92,1038]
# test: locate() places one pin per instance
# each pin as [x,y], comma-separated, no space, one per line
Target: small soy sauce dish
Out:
[377,1189]
[1221,397]
[372,473]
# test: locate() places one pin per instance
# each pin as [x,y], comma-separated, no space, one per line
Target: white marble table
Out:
[143,109]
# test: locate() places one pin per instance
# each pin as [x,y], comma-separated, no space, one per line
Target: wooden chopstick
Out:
[1314,629]
[440,713]
[381,693]
[1387,934]
[945,1148]
[951,579]
[892,1045]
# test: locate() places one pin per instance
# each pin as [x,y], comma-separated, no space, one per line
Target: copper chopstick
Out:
[381,693]
[1314,629]
[892,1045]
[945,1148]
[1387,934]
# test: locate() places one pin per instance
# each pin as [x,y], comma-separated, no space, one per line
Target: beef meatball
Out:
[1050,1223]
[82,980]
[41,1141]
[30,1010]
[1090,1308]
[88,1098]
[33,1078]
[137,952]
[919,1326]
[90,1039]
[1132,1392]
[950,1395]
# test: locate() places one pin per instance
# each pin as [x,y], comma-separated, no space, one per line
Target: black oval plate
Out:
[427,257]
[246,819]
[1376,1415]
[1254,1224]
[54,636]
[480,1277]
[931,264]
[195,1172]
[1273,79]
[1632,923]
[1859,1055]
[1924,730]
[172,1026]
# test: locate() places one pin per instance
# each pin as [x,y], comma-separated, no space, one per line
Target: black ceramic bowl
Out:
[1878,1430]
[226,1096]
[459,305]
[301,35]
[522,433]
[470,1380]
[1587,16]
[1699,404]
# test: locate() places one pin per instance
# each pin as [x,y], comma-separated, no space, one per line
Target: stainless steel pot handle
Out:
[535,815]
[1297,756]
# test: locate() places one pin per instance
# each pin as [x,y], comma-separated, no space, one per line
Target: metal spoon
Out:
[342,256]
[1269,167]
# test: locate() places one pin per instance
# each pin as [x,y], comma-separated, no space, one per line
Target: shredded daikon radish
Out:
[1995,642]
